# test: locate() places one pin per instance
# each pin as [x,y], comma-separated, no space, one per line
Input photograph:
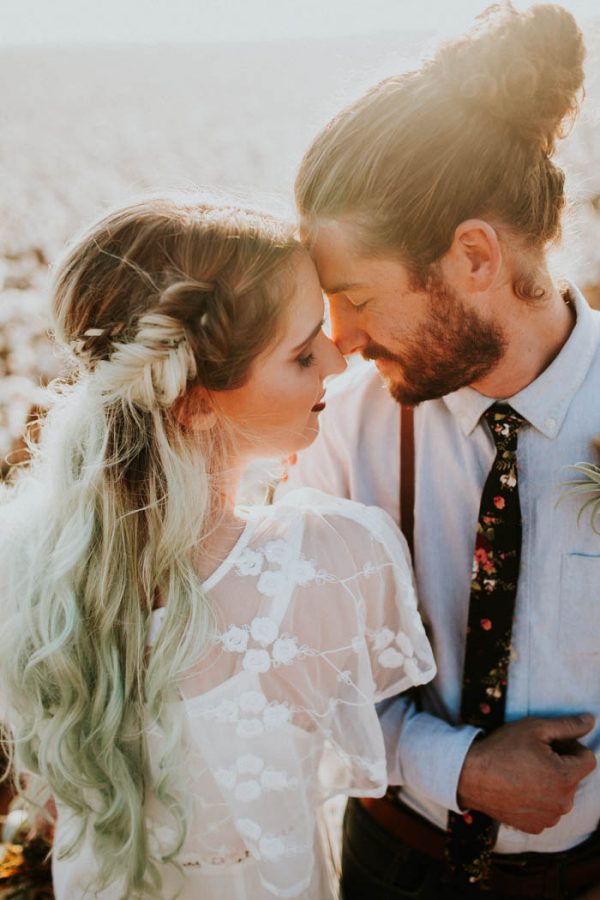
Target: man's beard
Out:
[454,347]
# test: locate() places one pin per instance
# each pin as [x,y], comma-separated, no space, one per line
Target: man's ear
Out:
[195,411]
[475,257]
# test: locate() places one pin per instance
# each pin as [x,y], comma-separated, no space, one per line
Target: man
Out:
[427,206]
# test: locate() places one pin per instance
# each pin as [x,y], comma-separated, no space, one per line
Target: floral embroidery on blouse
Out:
[309,628]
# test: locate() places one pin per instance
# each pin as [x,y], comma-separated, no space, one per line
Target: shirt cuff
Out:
[430,755]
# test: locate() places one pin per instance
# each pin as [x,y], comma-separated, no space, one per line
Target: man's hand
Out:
[525,773]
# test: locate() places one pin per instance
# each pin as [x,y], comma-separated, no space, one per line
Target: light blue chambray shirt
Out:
[555,667]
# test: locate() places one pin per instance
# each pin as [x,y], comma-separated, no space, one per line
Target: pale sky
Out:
[153,21]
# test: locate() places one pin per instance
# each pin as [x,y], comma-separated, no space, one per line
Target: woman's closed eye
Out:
[305,352]
[306,361]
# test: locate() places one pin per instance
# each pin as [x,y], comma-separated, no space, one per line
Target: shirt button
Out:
[550,423]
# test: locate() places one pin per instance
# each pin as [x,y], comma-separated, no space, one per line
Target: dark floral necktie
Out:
[471,836]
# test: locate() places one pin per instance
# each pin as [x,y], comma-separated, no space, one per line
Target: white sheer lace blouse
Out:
[316,621]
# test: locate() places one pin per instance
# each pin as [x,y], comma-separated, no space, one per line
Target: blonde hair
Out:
[469,134]
[154,300]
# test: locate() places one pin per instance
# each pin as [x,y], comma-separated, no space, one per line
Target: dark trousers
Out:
[378,866]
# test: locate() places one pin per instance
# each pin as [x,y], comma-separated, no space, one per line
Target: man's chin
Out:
[401,395]
[409,395]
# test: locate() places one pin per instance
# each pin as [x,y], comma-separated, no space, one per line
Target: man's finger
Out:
[580,760]
[565,728]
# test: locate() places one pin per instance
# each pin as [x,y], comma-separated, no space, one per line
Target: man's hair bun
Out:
[524,69]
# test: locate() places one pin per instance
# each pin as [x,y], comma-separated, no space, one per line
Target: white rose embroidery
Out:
[412,670]
[249,764]
[226,778]
[252,701]
[276,715]
[271,847]
[285,649]
[247,790]
[248,828]
[235,639]
[271,583]
[273,780]
[256,661]
[249,727]
[357,644]
[226,711]
[278,552]
[405,643]
[390,658]
[264,630]
[250,563]
[382,638]
[303,571]
[508,481]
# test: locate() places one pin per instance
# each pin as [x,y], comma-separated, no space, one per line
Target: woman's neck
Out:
[223,527]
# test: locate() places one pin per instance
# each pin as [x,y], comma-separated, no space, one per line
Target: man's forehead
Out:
[331,235]
[343,267]
[337,258]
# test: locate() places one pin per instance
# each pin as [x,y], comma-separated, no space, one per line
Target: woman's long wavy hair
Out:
[156,299]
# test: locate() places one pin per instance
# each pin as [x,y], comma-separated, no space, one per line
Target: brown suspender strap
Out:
[407,473]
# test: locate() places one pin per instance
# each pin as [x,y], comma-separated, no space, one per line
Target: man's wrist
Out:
[469,775]
[432,754]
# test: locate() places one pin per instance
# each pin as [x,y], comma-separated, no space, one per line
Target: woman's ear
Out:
[474,259]
[195,411]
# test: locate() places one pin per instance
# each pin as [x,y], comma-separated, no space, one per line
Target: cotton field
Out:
[81,129]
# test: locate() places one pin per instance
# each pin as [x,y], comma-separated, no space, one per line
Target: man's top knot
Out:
[522,69]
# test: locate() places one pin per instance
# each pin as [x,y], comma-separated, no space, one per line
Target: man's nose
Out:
[346,332]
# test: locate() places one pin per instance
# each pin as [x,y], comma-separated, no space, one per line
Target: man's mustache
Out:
[376,351]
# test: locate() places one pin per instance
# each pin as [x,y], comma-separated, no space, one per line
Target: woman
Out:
[189,680]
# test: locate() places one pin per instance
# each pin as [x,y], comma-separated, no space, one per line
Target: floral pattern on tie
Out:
[496,560]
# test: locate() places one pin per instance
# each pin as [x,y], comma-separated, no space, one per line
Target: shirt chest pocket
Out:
[580,603]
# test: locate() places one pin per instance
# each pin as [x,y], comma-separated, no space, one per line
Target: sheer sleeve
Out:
[358,615]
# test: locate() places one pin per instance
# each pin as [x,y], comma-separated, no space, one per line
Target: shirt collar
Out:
[543,403]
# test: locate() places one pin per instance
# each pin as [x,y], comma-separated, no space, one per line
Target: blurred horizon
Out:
[37,22]
[85,127]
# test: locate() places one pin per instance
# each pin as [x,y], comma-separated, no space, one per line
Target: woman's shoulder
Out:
[307,502]
[325,519]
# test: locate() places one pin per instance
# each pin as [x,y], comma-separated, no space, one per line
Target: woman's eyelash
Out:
[306,361]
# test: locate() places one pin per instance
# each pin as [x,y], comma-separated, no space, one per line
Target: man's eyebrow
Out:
[312,335]
[340,288]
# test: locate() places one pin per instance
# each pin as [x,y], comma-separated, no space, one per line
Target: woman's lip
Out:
[318,407]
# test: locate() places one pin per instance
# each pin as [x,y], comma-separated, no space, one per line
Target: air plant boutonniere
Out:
[589,488]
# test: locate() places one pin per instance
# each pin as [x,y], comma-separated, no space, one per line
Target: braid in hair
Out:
[156,298]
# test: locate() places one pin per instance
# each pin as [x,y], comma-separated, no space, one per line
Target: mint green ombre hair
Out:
[156,300]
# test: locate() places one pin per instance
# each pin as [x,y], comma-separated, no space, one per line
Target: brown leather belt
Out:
[517,875]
